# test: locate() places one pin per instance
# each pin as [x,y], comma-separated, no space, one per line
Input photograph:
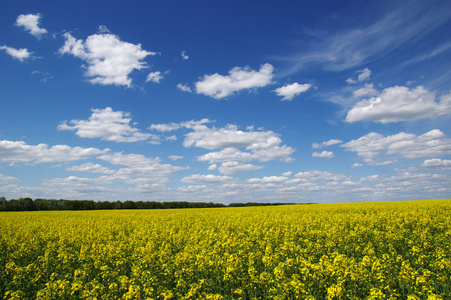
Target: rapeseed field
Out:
[390,250]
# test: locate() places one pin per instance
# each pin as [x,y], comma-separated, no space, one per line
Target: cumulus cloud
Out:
[363,75]
[175,157]
[20,54]
[324,154]
[109,60]
[166,127]
[219,86]
[184,88]
[139,169]
[131,160]
[357,165]
[399,103]
[436,164]
[92,168]
[227,154]
[367,90]
[326,144]
[154,77]
[184,55]
[289,91]
[20,152]
[107,125]
[233,167]
[268,179]
[31,23]
[207,179]
[406,145]
[192,188]
[315,175]
[261,145]
[7,179]
[230,136]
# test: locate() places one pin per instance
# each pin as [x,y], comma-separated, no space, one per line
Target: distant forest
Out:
[28,204]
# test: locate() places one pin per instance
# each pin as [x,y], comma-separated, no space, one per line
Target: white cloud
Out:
[281,153]
[20,54]
[166,127]
[233,167]
[227,154]
[81,182]
[262,145]
[289,91]
[31,23]
[140,170]
[131,160]
[324,154]
[175,157]
[351,81]
[407,169]
[107,125]
[90,167]
[207,179]
[357,165]
[184,88]
[184,55]
[326,144]
[7,179]
[399,103]
[109,60]
[192,188]
[20,152]
[154,77]
[219,86]
[436,164]
[315,175]
[171,138]
[269,179]
[406,145]
[374,177]
[367,90]
[363,75]
[230,136]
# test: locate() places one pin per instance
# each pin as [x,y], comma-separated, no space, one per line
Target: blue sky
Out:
[262,101]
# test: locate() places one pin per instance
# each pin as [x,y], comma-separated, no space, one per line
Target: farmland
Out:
[386,250]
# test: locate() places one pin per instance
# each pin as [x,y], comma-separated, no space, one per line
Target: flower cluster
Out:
[396,250]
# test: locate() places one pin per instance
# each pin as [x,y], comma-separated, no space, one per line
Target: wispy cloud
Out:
[437,51]
[184,88]
[337,51]
[154,77]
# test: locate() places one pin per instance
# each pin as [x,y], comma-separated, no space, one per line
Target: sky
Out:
[225,101]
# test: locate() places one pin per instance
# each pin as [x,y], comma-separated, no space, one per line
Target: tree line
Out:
[28,204]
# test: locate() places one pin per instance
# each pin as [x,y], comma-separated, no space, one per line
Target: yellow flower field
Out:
[390,250]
